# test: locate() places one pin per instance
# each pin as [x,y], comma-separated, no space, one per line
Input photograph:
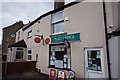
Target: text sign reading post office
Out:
[70,37]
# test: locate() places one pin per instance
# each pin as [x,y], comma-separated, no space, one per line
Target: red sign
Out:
[47,40]
[61,75]
[37,40]
[52,74]
[68,51]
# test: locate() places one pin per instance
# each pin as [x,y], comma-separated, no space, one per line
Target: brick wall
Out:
[7,31]
[18,67]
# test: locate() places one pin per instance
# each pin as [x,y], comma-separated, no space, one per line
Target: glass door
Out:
[94,63]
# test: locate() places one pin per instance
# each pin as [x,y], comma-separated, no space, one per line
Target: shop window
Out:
[58,57]
[29,54]
[57,23]
[19,53]
[29,32]
[94,60]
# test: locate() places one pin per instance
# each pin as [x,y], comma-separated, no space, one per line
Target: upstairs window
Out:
[58,23]
[29,32]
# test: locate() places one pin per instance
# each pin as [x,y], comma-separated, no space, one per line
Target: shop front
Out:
[60,54]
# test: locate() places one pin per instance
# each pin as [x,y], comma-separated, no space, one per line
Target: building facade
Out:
[9,36]
[0,52]
[83,25]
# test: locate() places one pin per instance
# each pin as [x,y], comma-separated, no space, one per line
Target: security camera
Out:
[110,26]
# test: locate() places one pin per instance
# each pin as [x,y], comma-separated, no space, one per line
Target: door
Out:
[94,63]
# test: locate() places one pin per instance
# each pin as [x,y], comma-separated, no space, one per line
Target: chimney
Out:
[58,3]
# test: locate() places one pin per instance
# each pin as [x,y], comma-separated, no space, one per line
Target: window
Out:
[19,53]
[18,35]
[58,58]
[94,60]
[29,32]
[57,22]
[29,54]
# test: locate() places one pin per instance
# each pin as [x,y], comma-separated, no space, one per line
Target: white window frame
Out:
[56,22]
[29,54]
[20,51]
[29,32]
[102,62]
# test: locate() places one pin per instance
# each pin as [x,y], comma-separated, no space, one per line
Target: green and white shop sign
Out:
[70,37]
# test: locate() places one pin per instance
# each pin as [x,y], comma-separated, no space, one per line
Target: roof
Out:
[19,44]
[51,12]
[14,25]
[24,26]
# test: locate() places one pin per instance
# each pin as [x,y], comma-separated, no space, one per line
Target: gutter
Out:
[106,34]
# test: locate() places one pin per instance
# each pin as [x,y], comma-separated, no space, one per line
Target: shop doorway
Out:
[94,63]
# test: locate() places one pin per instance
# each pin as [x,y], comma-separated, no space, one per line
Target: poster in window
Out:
[65,60]
[68,63]
[68,56]
[98,68]
[68,51]
[65,56]
[98,54]
[59,63]
[65,65]
[52,62]
[95,67]
[53,55]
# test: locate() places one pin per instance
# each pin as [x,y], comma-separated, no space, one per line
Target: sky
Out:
[25,10]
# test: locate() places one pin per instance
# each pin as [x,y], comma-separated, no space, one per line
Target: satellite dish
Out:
[13,35]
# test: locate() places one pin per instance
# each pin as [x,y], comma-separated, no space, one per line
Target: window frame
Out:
[53,66]
[29,54]
[20,51]
[57,22]
[29,32]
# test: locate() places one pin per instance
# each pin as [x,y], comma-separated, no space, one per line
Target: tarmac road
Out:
[32,75]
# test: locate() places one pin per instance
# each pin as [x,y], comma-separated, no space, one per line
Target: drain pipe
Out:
[106,34]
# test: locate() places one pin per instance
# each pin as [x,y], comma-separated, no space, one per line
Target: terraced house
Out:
[85,25]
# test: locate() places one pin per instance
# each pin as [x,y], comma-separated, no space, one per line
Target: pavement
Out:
[32,75]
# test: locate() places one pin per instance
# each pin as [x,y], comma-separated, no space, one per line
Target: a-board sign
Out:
[52,74]
[71,75]
[61,75]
